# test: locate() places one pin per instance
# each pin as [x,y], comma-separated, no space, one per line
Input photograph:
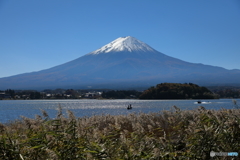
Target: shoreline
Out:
[119,99]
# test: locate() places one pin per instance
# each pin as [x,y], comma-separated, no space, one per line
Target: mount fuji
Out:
[123,63]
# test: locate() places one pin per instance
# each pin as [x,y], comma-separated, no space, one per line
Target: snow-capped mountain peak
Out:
[128,43]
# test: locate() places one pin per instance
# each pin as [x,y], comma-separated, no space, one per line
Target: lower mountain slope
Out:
[123,63]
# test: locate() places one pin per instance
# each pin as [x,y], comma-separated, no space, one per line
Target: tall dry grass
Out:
[179,134]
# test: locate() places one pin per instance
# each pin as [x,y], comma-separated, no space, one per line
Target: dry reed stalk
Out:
[189,134]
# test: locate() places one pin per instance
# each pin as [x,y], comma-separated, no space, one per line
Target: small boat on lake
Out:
[199,102]
[129,106]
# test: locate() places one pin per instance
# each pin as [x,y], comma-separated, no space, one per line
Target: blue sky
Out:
[39,34]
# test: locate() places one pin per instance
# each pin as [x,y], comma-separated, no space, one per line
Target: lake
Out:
[14,109]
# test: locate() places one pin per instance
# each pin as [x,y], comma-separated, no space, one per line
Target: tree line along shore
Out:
[160,91]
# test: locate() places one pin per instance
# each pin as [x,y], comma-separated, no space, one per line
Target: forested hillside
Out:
[177,91]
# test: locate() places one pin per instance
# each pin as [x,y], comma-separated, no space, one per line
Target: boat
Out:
[199,102]
[129,106]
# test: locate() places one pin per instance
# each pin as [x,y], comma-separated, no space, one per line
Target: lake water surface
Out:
[14,109]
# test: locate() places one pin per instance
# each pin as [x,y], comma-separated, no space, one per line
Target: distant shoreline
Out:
[117,99]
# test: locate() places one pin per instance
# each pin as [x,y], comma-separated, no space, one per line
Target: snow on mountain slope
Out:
[128,43]
[123,62]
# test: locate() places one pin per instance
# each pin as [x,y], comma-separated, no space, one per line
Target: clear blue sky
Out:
[39,34]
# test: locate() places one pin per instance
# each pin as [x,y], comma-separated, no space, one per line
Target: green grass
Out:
[187,134]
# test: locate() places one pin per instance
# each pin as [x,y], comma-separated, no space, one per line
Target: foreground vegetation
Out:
[188,134]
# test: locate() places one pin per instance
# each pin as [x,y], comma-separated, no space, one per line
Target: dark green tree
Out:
[35,95]
[10,92]
[177,91]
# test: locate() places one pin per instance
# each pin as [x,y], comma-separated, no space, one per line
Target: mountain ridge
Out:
[126,62]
